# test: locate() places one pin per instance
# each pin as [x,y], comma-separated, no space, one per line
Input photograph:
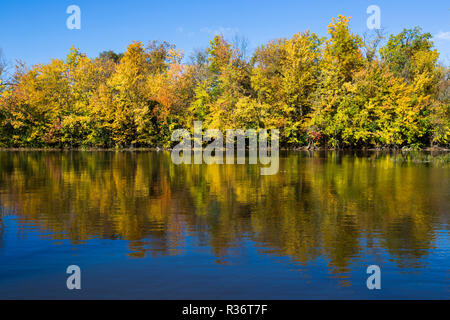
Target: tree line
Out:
[336,91]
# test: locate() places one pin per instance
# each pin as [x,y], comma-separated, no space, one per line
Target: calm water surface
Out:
[141,227]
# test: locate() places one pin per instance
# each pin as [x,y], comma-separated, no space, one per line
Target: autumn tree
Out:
[341,59]
[111,55]
[285,79]
[225,83]
[339,91]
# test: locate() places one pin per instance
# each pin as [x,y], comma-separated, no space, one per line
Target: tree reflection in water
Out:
[322,204]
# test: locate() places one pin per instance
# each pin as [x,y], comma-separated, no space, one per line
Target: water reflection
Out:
[329,205]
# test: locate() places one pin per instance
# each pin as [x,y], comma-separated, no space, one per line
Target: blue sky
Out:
[35,31]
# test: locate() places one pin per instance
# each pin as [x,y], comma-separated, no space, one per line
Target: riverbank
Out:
[305,148]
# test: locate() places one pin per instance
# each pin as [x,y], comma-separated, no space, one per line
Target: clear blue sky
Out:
[35,31]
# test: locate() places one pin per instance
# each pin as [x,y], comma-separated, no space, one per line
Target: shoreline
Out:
[159,149]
